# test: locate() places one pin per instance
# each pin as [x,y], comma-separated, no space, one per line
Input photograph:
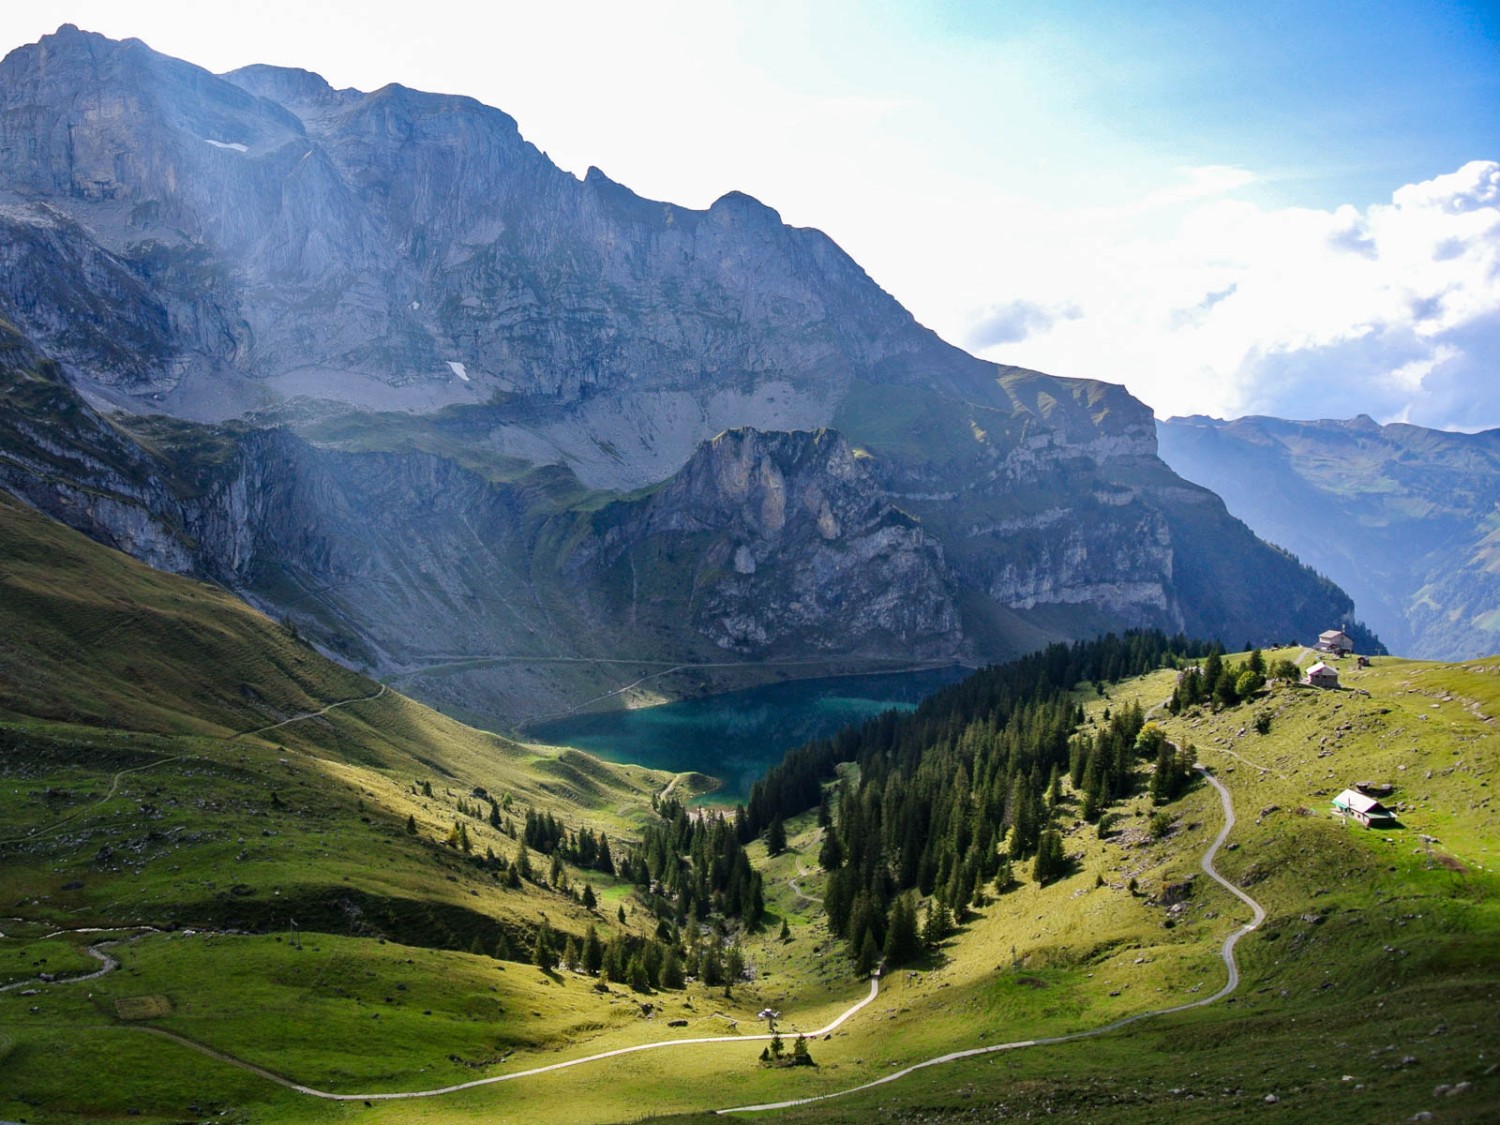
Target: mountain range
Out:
[1407,519]
[375,363]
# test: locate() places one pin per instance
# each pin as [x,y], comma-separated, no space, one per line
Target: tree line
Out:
[950,797]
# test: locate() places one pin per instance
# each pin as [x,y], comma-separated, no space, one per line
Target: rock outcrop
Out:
[780,543]
[372,360]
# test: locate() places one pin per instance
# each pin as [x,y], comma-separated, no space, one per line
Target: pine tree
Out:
[776,837]
[590,900]
[672,975]
[1005,876]
[635,972]
[869,955]
[938,925]
[411,825]
[1051,861]
[593,951]
[902,943]
[831,854]
[542,955]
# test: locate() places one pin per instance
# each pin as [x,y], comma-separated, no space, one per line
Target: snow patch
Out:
[233,145]
[459,370]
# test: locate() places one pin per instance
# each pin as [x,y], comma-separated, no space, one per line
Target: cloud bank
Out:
[1392,310]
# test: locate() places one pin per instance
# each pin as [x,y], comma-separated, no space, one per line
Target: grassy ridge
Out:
[140,786]
[1379,959]
[165,817]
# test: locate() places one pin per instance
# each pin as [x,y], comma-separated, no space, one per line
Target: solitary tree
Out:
[541,950]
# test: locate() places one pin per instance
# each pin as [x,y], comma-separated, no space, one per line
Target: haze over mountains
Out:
[374,362]
[1407,518]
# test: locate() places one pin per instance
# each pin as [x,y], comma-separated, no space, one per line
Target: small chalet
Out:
[1322,676]
[1336,642]
[1367,810]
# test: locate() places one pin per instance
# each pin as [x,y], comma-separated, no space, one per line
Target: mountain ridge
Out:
[1403,515]
[381,365]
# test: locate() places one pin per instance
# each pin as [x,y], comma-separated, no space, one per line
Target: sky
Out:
[1278,208]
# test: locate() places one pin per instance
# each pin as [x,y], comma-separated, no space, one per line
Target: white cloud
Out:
[1392,310]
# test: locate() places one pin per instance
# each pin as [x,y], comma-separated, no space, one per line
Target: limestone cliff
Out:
[778,543]
[372,360]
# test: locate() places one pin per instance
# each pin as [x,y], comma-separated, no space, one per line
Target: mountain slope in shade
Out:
[1406,519]
[371,360]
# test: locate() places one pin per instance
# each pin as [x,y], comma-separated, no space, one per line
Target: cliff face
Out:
[358,246]
[778,544]
[373,361]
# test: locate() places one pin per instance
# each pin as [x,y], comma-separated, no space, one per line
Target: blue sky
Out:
[1339,101]
[1281,208]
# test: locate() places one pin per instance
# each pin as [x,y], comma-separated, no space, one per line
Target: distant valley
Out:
[1406,519]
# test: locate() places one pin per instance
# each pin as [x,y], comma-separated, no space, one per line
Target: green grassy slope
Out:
[1371,987]
[171,759]
[1379,959]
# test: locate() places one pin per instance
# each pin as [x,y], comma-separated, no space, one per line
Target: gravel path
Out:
[1226,952]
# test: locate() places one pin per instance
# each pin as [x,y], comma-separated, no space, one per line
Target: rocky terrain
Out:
[374,362]
[1405,518]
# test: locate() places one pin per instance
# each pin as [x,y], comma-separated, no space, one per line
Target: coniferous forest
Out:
[945,801]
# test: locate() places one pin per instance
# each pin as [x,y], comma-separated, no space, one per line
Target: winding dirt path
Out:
[1258,915]
[309,714]
[110,964]
[802,873]
[281,1080]
[114,785]
[1226,952]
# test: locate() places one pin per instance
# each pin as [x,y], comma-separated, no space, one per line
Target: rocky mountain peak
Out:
[669,429]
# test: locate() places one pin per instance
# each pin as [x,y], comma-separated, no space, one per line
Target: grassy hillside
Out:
[157,799]
[174,760]
[1369,994]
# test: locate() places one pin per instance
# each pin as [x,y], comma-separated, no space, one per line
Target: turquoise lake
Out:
[737,736]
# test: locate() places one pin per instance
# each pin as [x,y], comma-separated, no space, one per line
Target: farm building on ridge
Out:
[1322,676]
[1367,810]
[1335,641]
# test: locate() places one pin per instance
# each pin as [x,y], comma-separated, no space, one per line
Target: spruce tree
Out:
[593,951]
[902,943]
[831,854]
[542,955]
[776,837]
[938,926]
[672,975]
